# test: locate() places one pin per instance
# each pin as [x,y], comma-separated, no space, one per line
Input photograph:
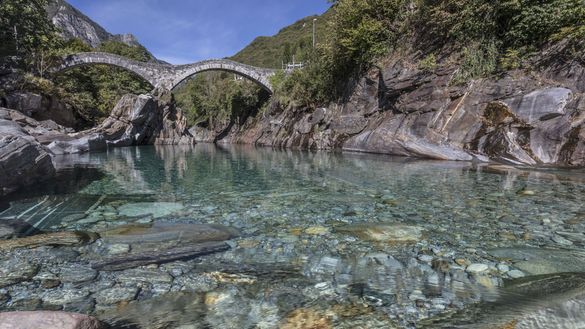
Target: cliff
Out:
[521,117]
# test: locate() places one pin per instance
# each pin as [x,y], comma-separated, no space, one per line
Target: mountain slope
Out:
[74,24]
[295,39]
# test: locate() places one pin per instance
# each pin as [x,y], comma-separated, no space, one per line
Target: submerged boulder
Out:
[539,261]
[388,233]
[48,320]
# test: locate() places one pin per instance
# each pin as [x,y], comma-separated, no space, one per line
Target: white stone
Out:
[477,268]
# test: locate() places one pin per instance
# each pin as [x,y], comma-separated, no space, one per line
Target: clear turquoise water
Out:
[287,205]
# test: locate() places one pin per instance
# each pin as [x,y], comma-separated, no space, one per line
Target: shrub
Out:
[428,64]
[478,60]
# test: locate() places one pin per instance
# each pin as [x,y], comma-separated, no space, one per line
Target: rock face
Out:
[136,120]
[23,160]
[515,118]
[42,108]
[48,320]
[74,24]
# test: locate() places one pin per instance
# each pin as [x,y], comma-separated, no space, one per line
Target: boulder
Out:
[136,120]
[23,160]
[14,271]
[48,320]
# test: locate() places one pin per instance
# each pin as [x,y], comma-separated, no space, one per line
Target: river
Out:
[316,240]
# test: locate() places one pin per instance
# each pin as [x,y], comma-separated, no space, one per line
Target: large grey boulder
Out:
[23,160]
[146,120]
[136,120]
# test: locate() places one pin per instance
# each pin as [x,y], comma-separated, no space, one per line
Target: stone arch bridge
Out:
[166,75]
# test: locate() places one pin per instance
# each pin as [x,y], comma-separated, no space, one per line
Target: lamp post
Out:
[314,22]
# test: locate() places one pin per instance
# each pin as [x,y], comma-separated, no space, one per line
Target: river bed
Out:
[314,240]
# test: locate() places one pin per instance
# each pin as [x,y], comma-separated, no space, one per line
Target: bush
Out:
[478,60]
[428,64]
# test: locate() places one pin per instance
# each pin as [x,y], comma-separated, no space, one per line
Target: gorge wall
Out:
[520,117]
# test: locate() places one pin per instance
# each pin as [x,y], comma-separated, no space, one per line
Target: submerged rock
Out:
[48,320]
[144,236]
[389,233]
[154,209]
[306,318]
[128,261]
[544,301]
[77,274]
[538,261]
[115,295]
[15,270]
[49,239]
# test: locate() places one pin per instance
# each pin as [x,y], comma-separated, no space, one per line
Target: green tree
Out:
[25,31]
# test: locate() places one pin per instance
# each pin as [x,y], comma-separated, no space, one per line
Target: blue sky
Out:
[185,31]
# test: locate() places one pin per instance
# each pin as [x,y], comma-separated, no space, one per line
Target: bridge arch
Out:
[148,71]
[167,75]
[258,75]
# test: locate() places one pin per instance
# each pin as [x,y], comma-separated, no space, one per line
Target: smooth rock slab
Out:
[166,235]
[48,320]
[49,239]
[390,233]
[133,260]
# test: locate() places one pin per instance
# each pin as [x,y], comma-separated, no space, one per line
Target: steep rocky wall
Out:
[23,160]
[534,118]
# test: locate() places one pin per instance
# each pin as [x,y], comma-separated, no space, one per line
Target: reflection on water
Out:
[374,241]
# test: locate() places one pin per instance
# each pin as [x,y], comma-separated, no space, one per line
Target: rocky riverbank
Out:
[531,117]
[27,145]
